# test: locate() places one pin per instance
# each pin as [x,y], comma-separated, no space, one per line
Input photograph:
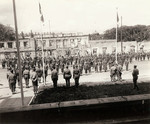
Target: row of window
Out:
[10,44]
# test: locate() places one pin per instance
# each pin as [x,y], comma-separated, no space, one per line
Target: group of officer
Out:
[32,68]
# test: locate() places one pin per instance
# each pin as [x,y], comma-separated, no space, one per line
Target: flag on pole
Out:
[117,17]
[41,14]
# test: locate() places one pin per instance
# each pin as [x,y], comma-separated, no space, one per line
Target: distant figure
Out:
[127,64]
[119,72]
[76,75]
[26,75]
[54,77]
[34,79]
[67,76]
[135,74]
[12,81]
[39,72]
[113,70]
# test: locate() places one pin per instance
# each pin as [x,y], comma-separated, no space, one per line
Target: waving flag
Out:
[41,14]
[117,17]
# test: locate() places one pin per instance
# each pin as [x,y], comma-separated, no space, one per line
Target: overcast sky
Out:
[85,16]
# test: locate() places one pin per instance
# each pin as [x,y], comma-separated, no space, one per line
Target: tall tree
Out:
[129,33]
[6,33]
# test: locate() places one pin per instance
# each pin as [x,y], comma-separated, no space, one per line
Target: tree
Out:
[6,33]
[129,33]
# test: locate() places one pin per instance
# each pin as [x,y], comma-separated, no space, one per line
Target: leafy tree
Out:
[6,33]
[129,33]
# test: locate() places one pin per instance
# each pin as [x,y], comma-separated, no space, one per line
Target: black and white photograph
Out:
[74,61]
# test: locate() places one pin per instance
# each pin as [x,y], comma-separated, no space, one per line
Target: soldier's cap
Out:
[135,66]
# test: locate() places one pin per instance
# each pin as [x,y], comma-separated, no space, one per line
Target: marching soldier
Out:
[76,75]
[86,67]
[135,74]
[12,81]
[3,63]
[113,73]
[119,72]
[62,67]
[26,75]
[34,79]
[96,66]
[100,66]
[39,72]
[67,76]
[104,65]
[127,64]
[81,68]
[54,77]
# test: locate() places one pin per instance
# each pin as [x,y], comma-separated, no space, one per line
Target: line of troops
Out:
[32,68]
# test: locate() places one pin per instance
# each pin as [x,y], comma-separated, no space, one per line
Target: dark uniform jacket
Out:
[26,74]
[76,73]
[54,74]
[135,72]
[11,78]
[67,74]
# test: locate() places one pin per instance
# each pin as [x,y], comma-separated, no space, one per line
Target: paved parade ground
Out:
[89,79]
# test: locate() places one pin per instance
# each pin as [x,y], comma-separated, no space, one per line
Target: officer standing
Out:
[54,77]
[76,75]
[67,76]
[135,74]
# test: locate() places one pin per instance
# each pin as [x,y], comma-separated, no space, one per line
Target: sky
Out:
[86,16]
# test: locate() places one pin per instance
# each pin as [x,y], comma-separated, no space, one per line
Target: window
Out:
[50,42]
[9,44]
[1,45]
[58,44]
[65,42]
[25,44]
[104,49]
[44,43]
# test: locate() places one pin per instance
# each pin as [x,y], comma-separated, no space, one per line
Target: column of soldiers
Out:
[100,63]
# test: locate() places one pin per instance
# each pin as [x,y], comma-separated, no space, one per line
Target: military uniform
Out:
[127,64]
[67,76]
[12,81]
[76,76]
[26,75]
[113,73]
[34,79]
[39,73]
[54,77]
[135,74]
[119,72]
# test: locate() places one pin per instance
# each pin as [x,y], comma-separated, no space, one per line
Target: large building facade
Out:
[68,44]
[53,45]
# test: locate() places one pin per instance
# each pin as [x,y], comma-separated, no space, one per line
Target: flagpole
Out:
[18,53]
[116,35]
[121,37]
[43,58]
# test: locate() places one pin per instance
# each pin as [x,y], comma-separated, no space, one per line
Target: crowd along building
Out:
[61,44]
